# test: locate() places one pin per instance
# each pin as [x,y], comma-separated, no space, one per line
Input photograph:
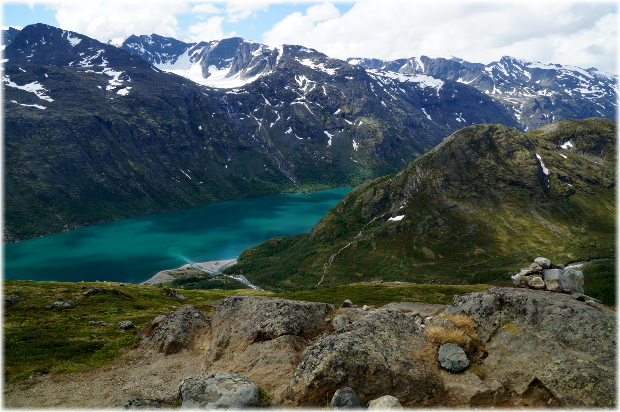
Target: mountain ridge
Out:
[103,134]
[466,211]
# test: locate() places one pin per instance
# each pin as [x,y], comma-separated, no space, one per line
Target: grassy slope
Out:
[40,340]
[475,209]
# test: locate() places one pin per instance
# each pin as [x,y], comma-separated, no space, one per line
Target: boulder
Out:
[385,402]
[62,305]
[346,398]
[263,337]
[126,324]
[552,280]
[452,357]
[543,262]
[384,352]
[220,391]
[536,267]
[536,282]
[572,280]
[176,331]
[347,303]
[521,280]
[11,299]
[546,343]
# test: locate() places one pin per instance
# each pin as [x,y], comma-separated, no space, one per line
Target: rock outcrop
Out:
[383,353]
[263,337]
[220,391]
[176,331]
[517,347]
[547,344]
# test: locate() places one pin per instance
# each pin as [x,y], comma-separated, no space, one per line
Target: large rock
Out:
[552,280]
[176,331]
[263,337]
[220,391]
[547,344]
[384,352]
[572,280]
[543,262]
[385,402]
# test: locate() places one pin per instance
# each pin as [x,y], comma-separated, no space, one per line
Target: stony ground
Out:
[137,374]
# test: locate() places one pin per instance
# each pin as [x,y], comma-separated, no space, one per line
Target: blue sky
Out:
[580,33]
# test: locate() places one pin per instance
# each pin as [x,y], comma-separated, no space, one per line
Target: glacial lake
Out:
[132,250]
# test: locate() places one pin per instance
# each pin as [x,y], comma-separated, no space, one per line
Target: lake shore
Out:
[168,274]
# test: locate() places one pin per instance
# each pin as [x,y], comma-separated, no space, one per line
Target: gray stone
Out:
[340,322]
[385,402]
[452,357]
[63,305]
[346,398]
[220,391]
[521,280]
[176,331]
[543,262]
[126,324]
[12,299]
[572,280]
[98,322]
[527,271]
[347,303]
[536,282]
[536,267]
[552,280]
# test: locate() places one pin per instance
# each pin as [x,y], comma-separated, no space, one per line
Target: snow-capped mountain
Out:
[105,132]
[535,93]
[228,63]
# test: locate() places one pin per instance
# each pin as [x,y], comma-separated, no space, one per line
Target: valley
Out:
[141,139]
[380,211]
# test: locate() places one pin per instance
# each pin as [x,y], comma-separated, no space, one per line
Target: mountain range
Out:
[97,132]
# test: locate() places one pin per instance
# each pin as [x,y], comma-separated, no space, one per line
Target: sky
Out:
[580,33]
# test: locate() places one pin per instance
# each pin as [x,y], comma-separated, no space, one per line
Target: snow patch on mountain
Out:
[33,87]
[317,66]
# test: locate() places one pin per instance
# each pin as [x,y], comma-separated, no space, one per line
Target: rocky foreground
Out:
[503,347]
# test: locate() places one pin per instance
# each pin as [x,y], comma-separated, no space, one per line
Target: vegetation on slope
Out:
[486,201]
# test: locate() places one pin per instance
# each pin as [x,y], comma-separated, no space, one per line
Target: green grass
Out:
[43,340]
[600,281]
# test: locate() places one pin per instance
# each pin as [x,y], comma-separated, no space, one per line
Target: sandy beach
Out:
[168,274]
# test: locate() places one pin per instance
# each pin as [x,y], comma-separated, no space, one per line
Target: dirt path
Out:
[136,374]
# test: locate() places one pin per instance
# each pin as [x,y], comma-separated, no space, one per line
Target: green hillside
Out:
[486,201]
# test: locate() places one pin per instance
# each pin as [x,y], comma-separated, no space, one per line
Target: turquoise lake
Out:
[132,250]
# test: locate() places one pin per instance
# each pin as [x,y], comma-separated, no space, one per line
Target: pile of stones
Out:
[543,275]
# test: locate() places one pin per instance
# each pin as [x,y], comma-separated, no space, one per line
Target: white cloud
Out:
[107,19]
[578,33]
[238,10]
[209,30]
[207,8]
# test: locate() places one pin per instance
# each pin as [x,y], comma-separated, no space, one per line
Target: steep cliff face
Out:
[467,211]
